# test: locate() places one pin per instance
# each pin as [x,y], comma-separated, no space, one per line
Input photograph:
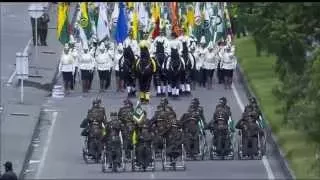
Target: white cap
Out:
[210,46]
[203,40]
[120,47]
[102,46]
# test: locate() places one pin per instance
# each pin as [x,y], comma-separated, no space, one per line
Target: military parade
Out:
[173,62]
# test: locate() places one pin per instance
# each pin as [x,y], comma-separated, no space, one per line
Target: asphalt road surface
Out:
[15,32]
[59,155]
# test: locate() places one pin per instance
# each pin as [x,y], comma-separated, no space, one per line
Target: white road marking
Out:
[34,161]
[47,145]
[264,158]
[25,50]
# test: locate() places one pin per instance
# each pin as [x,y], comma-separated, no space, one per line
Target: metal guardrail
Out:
[270,138]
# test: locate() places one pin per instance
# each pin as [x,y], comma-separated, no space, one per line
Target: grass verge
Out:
[261,77]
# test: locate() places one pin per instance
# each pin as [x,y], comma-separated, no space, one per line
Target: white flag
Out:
[103,30]
[197,13]
[143,16]
[115,14]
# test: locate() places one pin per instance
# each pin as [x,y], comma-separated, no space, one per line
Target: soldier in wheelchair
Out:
[250,136]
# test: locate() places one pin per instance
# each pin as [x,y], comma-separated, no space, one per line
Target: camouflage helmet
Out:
[113,114]
[252,100]
[223,100]
[164,101]
[195,101]
[127,102]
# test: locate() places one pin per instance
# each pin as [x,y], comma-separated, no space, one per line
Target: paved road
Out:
[61,156]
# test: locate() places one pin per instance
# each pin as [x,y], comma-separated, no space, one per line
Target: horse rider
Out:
[190,64]
[118,67]
[210,64]
[145,68]
[229,63]
[201,53]
[161,43]
[174,66]
[67,67]
[104,63]
[129,41]
[86,66]
[192,48]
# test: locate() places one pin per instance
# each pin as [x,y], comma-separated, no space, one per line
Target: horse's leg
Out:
[182,82]
[147,81]
[170,83]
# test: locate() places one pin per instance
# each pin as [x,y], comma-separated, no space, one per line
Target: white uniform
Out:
[229,61]
[86,62]
[133,44]
[67,63]
[211,60]
[104,61]
[116,61]
[200,57]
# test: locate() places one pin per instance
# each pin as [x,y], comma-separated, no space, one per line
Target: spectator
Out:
[9,174]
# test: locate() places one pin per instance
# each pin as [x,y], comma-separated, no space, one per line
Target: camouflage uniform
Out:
[191,131]
[250,130]
[174,141]
[113,140]
[143,147]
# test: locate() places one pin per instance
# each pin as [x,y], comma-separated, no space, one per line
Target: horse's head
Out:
[159,47]
[128,54]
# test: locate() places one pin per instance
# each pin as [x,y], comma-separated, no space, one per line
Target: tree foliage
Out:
[289,31]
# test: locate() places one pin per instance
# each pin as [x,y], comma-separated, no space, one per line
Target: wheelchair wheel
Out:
[104,161]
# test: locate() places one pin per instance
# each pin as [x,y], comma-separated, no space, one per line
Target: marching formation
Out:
[128,137]
[174,65]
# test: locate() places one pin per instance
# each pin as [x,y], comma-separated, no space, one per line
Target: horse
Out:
[128,70]
[187,74]
[175,67]
[160,78]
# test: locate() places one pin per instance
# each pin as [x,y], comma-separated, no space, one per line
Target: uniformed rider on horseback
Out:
[160,50]
[190,63]
[145,68]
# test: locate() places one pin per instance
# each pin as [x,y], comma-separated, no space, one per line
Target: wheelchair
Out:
[116,166]
[177,164]
[93,158]
[143,164]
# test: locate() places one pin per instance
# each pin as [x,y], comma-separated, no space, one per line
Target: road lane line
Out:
[264,158]
[47,144]
[13,74]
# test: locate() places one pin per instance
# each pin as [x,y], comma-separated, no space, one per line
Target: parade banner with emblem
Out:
[85,22]
[63,23]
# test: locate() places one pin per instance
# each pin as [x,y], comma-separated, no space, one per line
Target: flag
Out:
[190,16]
[103,30]
[122,25]
[156,30]
[62,23]
[85,20]
[155,11]
[138,114]
[143,16]
[135,23]
[175,18]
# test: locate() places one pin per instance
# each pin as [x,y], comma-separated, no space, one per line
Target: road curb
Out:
[271,139]
[35,132]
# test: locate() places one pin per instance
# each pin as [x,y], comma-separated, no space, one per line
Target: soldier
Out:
[104,63]
[113,140]
[35,31]
[9,173]
[174,141]
[86,66]
[129,41]
[118,66]
[75,49]
[210,64]
[67,67]
[223,104]
[250,130]
[229,63]
[43,28]
[201,52]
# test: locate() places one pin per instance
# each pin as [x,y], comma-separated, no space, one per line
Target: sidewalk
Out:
[19,120]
